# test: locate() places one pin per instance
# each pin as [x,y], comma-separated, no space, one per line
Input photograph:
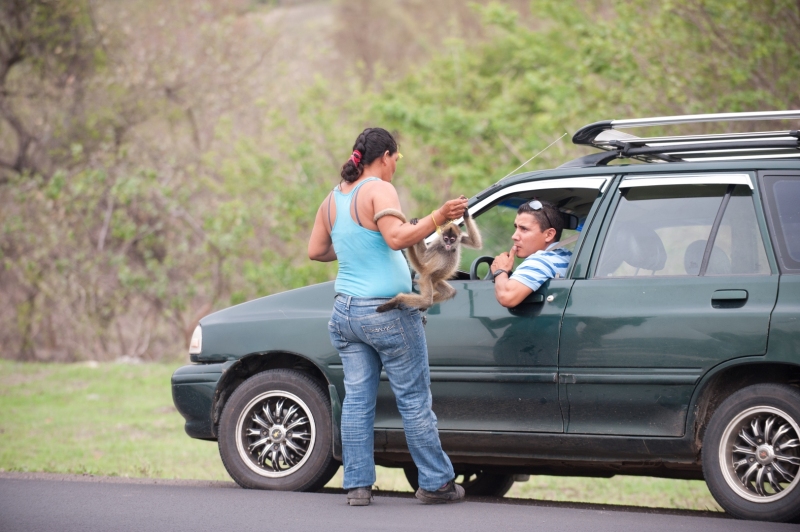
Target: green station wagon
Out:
[671,348]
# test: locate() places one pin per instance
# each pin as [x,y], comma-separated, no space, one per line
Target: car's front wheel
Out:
[275,433]
[751,453]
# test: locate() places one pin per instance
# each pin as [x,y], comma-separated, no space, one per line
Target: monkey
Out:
[435,263]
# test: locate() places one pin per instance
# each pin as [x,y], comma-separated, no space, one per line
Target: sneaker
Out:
[450,492]
[359,496]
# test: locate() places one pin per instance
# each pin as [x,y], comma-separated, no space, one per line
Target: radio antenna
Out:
[534,157]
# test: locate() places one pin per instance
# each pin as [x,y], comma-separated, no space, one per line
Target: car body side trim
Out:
[571,376]
[196,377]
[631,376]
[549,447]
[483,374]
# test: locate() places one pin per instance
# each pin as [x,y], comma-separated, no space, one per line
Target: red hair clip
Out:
[356,157]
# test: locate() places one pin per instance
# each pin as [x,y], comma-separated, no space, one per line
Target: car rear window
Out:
[782,194]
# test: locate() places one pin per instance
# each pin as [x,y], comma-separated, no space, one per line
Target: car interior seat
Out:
[718,264]
[639,246]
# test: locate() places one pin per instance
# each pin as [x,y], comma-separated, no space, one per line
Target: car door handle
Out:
[729,295]
[729,298]
[533,298]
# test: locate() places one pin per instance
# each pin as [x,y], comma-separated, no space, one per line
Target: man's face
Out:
[528,237]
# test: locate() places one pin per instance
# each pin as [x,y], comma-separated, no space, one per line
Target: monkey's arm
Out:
[415,255]
[473,239]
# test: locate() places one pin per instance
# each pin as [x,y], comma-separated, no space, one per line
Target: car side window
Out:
[782,193]
[664,231]
[496,226]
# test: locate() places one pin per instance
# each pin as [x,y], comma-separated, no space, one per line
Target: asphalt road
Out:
[33,503]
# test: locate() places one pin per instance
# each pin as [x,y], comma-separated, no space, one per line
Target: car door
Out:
[679,283]
[781,194]
[493,368]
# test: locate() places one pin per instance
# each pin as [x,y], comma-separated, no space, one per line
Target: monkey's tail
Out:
[389,212]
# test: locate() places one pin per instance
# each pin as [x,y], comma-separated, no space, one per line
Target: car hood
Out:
[301,302]
[290,322]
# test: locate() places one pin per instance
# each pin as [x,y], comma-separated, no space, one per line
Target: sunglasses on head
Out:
[537,205]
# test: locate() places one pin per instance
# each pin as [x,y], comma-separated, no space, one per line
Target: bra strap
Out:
[355,199]
[355,206]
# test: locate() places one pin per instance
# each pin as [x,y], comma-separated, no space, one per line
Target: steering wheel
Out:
[473,269]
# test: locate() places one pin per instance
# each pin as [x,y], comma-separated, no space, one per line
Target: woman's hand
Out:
[452,210]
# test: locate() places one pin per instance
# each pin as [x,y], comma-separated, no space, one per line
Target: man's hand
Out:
[504,261]
[509,292]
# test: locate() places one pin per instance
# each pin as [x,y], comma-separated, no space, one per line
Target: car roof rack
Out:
[605,135]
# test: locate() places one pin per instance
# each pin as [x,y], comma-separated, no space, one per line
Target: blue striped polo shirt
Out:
[541,266]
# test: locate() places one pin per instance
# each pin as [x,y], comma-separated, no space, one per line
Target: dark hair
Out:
[548,216]
[372,143]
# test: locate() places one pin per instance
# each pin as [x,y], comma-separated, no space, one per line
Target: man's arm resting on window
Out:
[509,292]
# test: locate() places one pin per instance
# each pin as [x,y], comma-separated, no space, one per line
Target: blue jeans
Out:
[367,340]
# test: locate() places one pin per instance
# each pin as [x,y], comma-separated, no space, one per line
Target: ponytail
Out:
[371,144]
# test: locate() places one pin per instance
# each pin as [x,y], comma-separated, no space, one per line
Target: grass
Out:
[118,420]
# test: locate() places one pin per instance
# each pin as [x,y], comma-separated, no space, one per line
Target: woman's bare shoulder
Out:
[380,188]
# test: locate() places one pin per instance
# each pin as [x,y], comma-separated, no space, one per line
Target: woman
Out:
[372,270]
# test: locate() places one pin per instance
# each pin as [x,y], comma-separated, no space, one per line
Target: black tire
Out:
[275,433]
[475,484]
[754,435]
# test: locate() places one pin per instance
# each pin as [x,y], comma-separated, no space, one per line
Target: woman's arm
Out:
[320,245]
[400,235]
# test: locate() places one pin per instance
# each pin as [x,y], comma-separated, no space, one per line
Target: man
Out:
[537,231]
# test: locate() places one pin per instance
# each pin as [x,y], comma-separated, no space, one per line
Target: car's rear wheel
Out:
[275,433]
[751,453]
[475,483]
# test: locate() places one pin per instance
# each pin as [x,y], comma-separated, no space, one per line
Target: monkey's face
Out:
[450,238]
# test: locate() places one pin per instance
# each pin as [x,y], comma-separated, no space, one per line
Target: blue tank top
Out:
[368,267]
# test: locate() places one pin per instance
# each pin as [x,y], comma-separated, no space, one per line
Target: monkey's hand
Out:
[389,212]
[466,211]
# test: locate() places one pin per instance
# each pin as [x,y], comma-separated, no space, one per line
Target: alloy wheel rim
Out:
[275,434]
[760,454]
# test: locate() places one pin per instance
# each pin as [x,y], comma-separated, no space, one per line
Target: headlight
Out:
[196,345]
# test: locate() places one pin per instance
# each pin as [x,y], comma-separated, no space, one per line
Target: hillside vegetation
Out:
[161,160]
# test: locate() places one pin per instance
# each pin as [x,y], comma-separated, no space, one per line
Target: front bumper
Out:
[193,389]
